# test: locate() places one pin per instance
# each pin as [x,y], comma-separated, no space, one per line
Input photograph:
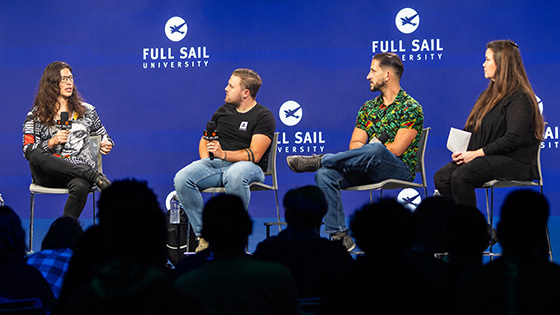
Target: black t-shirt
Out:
[237,129]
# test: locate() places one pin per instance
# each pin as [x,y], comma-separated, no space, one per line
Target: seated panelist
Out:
[506,125]
[235,158]
[56,138]
[384,144]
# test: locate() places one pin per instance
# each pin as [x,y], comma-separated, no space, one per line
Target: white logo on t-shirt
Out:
[243,126]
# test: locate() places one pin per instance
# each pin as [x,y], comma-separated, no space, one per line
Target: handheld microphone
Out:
[383,137]
[64,123]
[210,134]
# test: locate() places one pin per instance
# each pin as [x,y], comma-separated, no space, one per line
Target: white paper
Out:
[458,140]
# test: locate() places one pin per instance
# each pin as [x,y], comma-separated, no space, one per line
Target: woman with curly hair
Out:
[59,156]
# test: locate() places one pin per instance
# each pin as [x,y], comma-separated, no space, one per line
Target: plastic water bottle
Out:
[175,212]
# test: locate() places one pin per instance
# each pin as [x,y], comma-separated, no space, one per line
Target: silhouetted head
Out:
[384,228]
[130,213]
[225,223]
[63,233]
[467,231]
[432,215]
[523,220]
[305,206]
[12,236]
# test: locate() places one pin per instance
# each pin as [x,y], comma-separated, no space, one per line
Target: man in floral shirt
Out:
[383,145]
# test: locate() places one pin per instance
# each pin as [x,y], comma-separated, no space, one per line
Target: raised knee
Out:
[79,186]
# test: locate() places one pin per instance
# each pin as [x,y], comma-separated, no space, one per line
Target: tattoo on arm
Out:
[250,155]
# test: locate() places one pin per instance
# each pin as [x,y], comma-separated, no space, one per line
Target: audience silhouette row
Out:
[429,260]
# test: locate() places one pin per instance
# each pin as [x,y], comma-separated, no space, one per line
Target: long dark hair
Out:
[510,76]
[46,103]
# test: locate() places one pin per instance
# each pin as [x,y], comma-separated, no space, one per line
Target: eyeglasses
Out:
[66,79]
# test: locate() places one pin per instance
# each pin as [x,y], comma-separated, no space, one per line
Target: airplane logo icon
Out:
[410,201]
[408,20]
[290,113]
[175,28]
[409,198]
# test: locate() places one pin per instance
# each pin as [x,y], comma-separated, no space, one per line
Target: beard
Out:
[233,101]
[377,86]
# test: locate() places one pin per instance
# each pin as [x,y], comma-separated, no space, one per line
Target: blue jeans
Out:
[369,164]
[205,173]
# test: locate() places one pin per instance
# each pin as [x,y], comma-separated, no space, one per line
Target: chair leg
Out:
[277,210]
[547,233]
[491,221]
[31,215]
[549,247]
[93,197]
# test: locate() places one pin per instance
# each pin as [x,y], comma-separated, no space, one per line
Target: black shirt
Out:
[236,129]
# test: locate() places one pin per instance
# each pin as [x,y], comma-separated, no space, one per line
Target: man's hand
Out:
[215,148]
[60,137]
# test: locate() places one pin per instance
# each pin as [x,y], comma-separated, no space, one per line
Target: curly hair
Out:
[46,101]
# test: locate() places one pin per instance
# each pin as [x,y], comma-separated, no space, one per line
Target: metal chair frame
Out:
[390,184]
[256,186]
[495,183]
[35,189]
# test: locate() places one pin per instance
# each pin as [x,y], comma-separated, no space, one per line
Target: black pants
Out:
[459,181]
[54,172]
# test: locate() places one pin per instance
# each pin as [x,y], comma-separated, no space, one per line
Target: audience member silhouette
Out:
[18,279]
[119,265]
[233,282]
[431,215]
[522,281]
[56,250]
[382,280]
[313,261]
[466,237]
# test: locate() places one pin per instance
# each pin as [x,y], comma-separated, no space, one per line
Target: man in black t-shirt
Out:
[237,158]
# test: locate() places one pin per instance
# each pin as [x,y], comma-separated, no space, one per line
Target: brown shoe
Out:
[202,245]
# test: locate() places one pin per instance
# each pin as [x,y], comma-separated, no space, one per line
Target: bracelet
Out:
[225,156]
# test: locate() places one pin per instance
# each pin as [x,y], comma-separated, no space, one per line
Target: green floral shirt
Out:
[405,112]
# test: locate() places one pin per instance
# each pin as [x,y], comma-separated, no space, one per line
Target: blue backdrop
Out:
[156,92]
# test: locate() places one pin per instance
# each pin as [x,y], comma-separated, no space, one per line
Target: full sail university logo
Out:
[176,28]
[291,113]
[551,139]
[174,56]
[407,21]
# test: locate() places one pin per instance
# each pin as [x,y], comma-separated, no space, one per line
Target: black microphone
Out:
[210,134]
[64,123]
[383,137]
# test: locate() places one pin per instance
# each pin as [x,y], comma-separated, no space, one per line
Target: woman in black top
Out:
[506,125]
